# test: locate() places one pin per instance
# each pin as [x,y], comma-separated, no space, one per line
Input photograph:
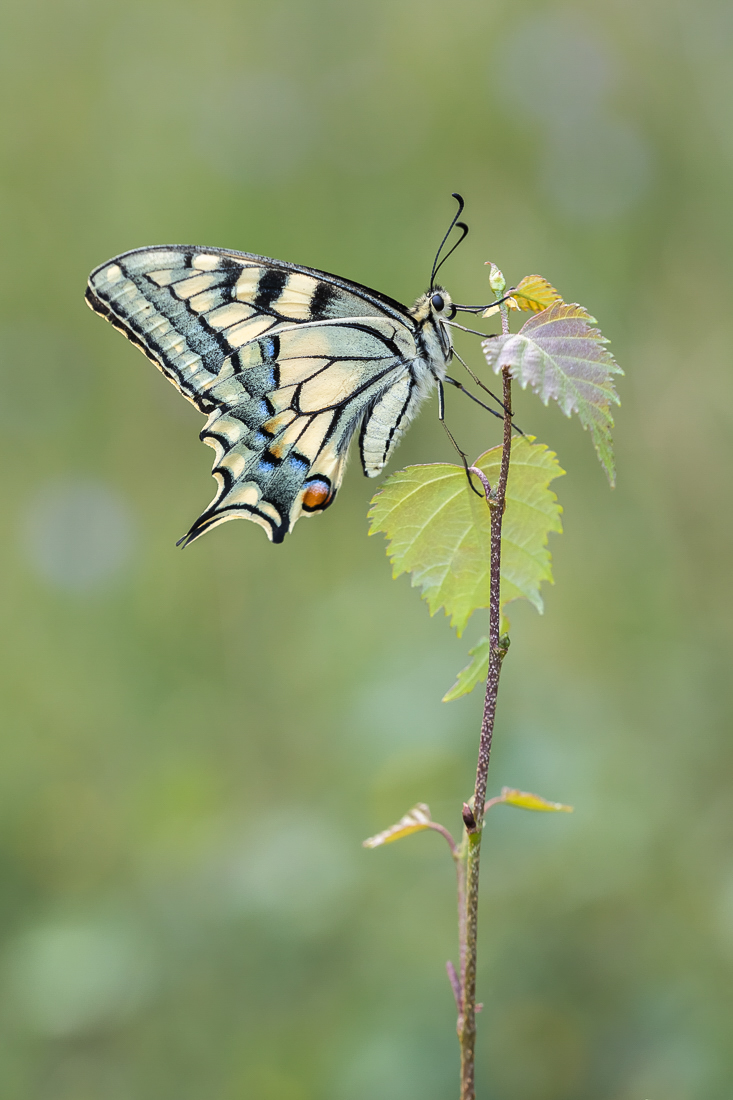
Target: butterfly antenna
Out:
[464,234]
[462,226]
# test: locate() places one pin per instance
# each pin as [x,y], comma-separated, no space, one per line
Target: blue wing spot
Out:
[269,348]
[299,464]
[258,440]
[267,464]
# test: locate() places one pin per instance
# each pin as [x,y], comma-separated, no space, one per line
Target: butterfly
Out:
[287,363]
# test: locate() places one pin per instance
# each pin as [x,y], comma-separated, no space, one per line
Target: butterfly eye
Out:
[438,303]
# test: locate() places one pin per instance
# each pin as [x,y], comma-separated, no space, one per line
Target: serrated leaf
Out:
[414,821]
[472,674]
[526,801]
[440,531]
[561,356]
[535,293]
[531,293]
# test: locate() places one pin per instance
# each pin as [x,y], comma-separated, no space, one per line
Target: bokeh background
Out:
[194,744]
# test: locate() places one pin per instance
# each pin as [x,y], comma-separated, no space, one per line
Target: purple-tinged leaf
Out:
[561,356]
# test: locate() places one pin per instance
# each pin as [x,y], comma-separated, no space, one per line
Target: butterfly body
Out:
[286,362]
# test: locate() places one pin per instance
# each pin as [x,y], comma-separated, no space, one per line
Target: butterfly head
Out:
[436,304]
[430,312]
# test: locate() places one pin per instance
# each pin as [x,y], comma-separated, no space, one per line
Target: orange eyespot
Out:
[317,493]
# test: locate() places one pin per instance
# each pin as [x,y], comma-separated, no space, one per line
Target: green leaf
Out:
[440,531]
[526,801]
[414,821]
[561,356]
[478,670]
[535,293]
[472,674]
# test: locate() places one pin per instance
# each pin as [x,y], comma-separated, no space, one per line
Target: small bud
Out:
[468,819]
[497,282]
[504,643]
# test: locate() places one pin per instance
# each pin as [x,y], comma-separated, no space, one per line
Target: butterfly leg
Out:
[459,386]
[478,381]
[441,418]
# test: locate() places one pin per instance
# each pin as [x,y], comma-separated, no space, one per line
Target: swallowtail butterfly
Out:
[287,363]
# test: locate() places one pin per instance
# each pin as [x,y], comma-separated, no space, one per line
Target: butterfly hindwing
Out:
[286,362]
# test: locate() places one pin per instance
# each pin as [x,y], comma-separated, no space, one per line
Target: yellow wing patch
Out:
[331,386]
[297,296]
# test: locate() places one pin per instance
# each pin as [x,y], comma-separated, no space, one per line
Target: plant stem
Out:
[460,860]
[468,927]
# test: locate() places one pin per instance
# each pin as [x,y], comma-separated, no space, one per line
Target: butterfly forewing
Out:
[287,363]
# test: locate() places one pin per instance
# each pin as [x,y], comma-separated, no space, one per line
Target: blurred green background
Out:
[194,744]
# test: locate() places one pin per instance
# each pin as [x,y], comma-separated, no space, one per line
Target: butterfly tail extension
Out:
[245,500]
[272,478]
[212,517]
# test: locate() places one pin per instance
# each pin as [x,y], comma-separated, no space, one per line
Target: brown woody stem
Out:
[468,924]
